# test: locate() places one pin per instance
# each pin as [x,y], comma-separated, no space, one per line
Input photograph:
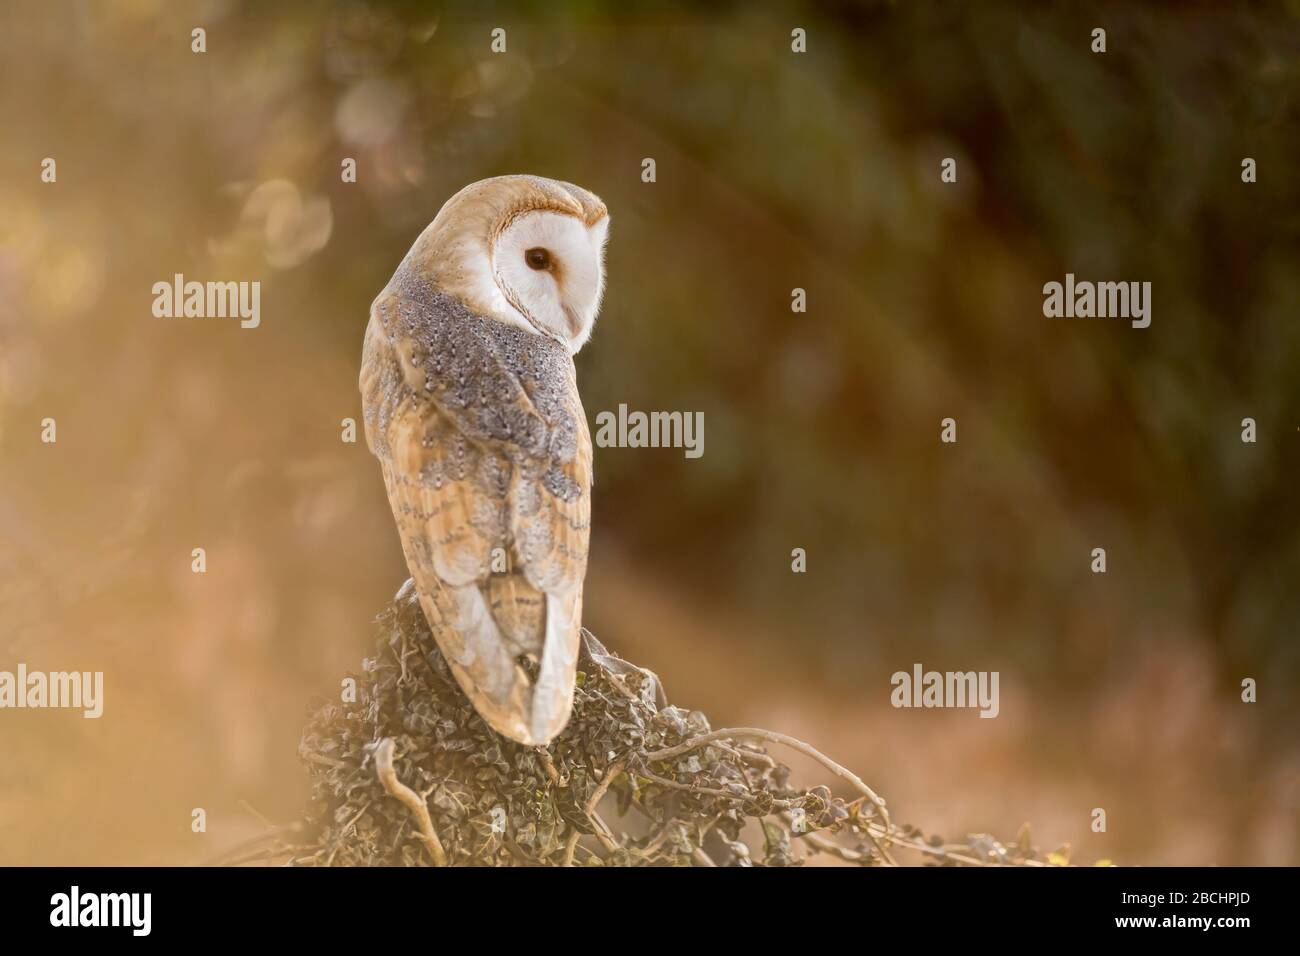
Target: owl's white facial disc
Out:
[550,270]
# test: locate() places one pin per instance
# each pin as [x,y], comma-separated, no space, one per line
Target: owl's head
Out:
[521,249]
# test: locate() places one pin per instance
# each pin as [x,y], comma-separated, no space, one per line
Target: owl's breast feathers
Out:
[487,459]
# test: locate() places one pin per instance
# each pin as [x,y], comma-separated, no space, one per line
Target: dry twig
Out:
[418,807]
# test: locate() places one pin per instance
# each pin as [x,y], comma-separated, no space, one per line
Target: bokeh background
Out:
[774,171]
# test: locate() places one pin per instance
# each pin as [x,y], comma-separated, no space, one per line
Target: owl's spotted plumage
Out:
[472,408]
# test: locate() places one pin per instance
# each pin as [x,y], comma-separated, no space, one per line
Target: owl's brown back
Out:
[486,455]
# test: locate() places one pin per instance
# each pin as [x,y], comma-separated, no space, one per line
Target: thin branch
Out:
[548,765]
[419,808]
[702,858]
[774,737]
[603,833]
[881,847]
[571,847]
[261,817]
[827,845]
[658,840]
[322,760]
[270,836]
[946,852]
[747,796]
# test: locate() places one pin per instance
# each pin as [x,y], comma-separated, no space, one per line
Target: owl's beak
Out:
[519,307]
[573,318]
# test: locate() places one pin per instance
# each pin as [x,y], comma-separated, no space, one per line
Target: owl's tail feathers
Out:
[487,668]
[553,692]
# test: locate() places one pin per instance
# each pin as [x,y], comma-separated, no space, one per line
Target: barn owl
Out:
[471,406]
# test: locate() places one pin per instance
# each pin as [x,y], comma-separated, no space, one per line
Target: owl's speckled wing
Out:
[487,459]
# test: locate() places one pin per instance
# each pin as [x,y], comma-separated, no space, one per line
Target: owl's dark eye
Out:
[538,258]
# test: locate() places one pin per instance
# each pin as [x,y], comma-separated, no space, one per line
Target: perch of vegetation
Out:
[410,775]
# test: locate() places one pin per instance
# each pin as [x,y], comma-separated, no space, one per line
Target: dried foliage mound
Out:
[410,775]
